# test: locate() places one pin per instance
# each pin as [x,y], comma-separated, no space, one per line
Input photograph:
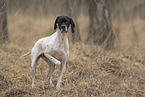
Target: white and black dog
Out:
[53,49]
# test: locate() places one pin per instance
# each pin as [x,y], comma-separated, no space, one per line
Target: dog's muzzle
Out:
[63,28]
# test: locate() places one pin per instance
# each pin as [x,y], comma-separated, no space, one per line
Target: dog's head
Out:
[63,23]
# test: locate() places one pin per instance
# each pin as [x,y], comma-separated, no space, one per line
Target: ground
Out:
[90,71]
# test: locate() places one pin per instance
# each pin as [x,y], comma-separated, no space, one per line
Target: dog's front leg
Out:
[62,69]
[52,59]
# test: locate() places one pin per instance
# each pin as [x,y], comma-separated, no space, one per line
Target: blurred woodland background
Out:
[101,17]
[107,50]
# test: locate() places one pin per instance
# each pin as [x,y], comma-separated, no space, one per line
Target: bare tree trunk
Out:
[71,10]
[100,29]
[3,23]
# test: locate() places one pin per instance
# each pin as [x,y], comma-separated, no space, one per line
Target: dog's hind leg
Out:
[51,70]
[34,60]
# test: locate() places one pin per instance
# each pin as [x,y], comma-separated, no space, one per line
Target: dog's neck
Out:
[61,36]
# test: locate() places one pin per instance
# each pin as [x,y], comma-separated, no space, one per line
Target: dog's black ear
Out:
[55,24]
[72,25]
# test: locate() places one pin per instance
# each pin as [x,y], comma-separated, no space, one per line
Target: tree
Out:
[71,9]
[3,23]
[100,28]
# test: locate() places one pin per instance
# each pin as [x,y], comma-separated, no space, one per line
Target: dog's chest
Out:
[59,49]
[57,46]
[59,52]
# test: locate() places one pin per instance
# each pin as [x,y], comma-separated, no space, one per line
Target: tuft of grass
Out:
[90,71]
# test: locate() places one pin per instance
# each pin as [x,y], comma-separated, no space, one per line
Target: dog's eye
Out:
[59,23]
[67,22]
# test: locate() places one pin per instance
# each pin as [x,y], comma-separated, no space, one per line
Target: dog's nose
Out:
[63,27]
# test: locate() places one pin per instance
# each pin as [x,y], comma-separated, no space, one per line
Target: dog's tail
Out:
[26,54]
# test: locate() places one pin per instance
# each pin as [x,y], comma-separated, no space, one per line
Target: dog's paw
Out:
[33,85]
[57,87]
[52,85]
[58,63]
[54,66]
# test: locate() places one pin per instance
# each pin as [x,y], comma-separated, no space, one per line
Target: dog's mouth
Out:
[64,29]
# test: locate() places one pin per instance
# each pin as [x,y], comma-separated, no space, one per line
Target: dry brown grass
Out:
[90,71]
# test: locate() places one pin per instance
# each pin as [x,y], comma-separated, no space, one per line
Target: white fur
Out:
[54,50]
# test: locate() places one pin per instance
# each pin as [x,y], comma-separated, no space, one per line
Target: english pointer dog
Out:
[53,49]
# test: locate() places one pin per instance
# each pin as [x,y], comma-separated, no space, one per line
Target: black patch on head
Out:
[55,24]
[72,26]
[64,21]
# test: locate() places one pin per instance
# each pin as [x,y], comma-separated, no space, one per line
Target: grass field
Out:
[90,70]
